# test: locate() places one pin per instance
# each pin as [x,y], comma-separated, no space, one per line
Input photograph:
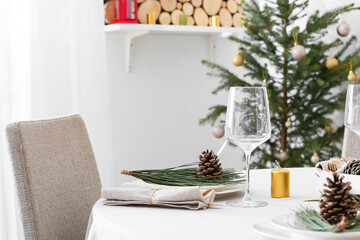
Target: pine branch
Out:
[215,112]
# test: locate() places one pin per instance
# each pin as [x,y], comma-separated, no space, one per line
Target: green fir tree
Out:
[304,91]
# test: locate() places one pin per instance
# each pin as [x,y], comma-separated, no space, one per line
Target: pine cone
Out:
[336,203]
[352,167]
[209,165]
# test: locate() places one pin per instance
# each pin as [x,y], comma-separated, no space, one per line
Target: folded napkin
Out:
[333,165]
[141,193]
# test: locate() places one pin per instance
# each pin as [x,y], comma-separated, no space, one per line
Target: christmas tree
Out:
[302,79]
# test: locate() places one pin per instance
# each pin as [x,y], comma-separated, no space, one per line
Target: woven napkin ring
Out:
[152,194]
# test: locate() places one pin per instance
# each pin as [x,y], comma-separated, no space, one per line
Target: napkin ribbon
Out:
[152,194]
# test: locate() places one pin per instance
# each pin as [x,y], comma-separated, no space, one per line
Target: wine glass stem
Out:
[247,196]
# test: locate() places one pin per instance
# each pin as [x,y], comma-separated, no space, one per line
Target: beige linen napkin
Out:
[141,193]
[337,164]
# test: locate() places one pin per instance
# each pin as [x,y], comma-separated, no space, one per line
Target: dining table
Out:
[216,222]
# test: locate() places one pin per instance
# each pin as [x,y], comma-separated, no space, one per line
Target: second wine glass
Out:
[247,126]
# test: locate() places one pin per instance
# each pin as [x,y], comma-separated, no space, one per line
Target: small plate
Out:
[290,223]
[221,190]
[270,231]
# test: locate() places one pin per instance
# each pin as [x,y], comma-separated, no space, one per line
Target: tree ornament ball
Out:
[218,131]
[333,127]
[283,156]
[351,76]
[298,52]
[343,29]
[265,84]
[238,60]
[315,158]
[331,62]
[288,124]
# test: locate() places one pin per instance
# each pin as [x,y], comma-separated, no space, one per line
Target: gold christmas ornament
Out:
[331,62]
[238,60]
[351,76]
[343,29]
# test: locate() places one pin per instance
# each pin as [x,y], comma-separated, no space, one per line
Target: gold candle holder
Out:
[280,182]
[150,18]
[215,21]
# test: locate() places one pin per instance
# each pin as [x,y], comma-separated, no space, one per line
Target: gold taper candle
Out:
[150,17]
[215,21]
[280,182]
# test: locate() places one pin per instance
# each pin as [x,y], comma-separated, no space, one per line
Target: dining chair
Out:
[351,145]
[56,177]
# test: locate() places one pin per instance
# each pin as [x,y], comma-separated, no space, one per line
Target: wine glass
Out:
[247,126]
[352,109]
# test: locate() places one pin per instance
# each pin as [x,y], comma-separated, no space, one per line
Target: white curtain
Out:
[52,63]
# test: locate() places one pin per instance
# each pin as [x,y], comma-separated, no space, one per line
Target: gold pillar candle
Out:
[150,18]
[215,21]
[183,19]
[280,183]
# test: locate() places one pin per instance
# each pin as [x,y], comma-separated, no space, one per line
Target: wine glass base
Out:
[246,204]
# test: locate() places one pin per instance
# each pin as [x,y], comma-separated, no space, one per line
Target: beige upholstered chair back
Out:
[56,177]
[351,145]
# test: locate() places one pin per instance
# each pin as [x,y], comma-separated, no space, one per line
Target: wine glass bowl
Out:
[352,108]
[247,126]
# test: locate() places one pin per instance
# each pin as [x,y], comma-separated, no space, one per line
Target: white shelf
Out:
[133,31]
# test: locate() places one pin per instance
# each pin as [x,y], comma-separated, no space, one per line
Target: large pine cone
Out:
[209,165]
[336,202]
[352,167]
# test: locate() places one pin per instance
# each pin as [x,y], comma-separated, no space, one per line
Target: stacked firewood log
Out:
[198,11]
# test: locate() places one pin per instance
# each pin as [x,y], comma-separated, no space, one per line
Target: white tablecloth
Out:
[220,222]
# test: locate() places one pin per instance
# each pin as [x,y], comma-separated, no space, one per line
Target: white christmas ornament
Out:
[288,123]
[283,156]
[298,52]
[343,29]
[264,83]
[218,131]
[333,127]
[315,158]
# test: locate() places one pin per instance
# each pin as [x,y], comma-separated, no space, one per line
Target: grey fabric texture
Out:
[56,176]
[351,145]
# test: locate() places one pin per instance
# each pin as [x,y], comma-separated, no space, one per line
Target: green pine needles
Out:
[185,175]
[304,91]
[313,221]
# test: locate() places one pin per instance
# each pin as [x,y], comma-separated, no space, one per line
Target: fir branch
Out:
[215,112]
[185,175]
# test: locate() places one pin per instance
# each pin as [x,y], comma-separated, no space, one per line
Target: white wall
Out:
[147,118]
[155,109]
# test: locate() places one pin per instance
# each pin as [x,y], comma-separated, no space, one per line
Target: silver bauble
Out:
[343,29]
[298,52]
[264,84]
[315,158]
[333,127]
[283,156]
[218,131]
[288,124]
